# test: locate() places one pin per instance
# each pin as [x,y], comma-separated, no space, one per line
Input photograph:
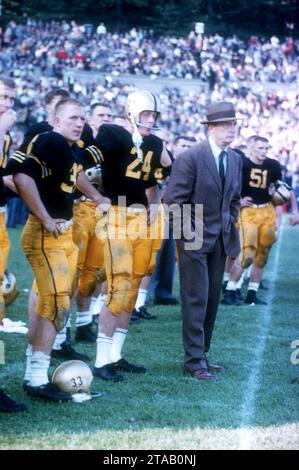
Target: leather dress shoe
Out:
[201,374]
[107,372]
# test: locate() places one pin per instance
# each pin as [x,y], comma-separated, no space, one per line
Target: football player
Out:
[46,179]
[132,161]
[90,259]
[257,219]
[62,348]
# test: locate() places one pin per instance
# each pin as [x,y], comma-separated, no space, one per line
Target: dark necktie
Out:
[221,167]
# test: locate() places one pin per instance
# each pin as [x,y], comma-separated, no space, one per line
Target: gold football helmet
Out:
[281,194]
[73,377]
[140,101]
[9,288]
[94,175]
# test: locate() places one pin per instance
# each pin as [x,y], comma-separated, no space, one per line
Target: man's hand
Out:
[294,219]
[54,226]
[103,204]
[7,120]
[246,201]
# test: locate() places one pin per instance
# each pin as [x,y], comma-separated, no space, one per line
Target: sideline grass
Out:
[163,409]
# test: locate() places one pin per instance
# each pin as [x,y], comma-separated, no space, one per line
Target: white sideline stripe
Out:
[248,407]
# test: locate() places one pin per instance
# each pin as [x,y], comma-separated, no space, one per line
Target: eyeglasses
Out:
[7,98]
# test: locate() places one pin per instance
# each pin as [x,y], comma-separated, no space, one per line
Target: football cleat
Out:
[8,405]
[125,366]
[85,334]
[107,372]
[48,391]
[68,352]
[144,313]
[252,299]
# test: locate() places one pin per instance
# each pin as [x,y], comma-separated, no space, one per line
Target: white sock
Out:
[99,304]
[68,323]
[253,286]
[104,344]
[39,368]
[29,351]
[60,338]
[142,293]
[118,341]
[225,276]
[83,318]
[240,281]
[231,285]
[92,304]
[247,272]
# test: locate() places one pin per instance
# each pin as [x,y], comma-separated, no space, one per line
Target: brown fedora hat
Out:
[220,111]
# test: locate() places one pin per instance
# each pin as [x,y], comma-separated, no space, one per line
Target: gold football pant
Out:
[257,234]
[90,268]
[54,262]
[4,251]
[127,254]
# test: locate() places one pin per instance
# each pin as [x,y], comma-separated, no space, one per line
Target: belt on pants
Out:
[261,205]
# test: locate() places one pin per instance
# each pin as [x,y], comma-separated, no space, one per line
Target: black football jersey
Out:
[123,173]
[3,163]
[32,131]
[257,179]
[54,166]
[86,138]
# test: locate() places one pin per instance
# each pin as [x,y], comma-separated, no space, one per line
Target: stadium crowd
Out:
[36,55]
[52,47]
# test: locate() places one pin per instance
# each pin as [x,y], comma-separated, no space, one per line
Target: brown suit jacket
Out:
[195,180]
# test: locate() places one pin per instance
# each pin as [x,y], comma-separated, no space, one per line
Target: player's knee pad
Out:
[132,294]
[55,308]
[261,257]
[88,281]
[247,257]
[118,295]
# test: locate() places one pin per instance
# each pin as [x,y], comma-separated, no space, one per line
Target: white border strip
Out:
[246,434]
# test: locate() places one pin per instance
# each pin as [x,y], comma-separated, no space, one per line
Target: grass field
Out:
[253,404]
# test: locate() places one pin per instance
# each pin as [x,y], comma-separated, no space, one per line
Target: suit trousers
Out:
[200,279]
[162,279]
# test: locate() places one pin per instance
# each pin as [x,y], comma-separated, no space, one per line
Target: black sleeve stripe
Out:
[17,158]
[19,155]
[96,154]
